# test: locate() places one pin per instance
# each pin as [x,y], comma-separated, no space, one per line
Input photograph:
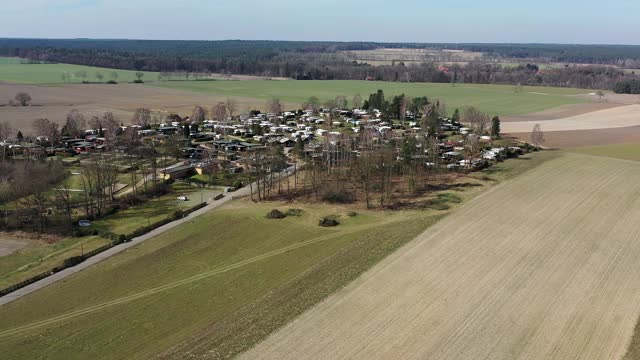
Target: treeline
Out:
[319,61]
[627,87]
[585,54]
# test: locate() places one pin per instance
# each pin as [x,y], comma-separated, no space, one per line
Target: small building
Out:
[178,172]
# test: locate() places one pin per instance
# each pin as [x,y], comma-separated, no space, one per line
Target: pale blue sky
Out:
[541,21]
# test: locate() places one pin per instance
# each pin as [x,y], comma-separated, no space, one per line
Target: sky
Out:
[488,21]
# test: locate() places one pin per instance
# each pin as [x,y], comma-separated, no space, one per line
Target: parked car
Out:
[183,198]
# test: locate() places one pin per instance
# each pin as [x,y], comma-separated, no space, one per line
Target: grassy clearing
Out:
[214,286]
[495,99]
[618,151]
[11,70]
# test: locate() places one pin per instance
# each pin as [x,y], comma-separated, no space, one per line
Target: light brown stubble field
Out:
[54,102]
[541,267]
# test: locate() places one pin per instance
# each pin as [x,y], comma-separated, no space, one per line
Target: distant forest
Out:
[321,60]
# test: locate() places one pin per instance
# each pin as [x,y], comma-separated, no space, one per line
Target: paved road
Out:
[116,249]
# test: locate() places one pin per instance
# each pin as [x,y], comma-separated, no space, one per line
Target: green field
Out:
[618,151]
[216,285]
[494,99]
[12,71]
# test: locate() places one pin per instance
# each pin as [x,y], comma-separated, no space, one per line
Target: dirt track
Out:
[523,272]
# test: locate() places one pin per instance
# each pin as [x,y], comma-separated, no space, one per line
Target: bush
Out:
[138,82]
[329,221]
[73,261]
[352,214]
[276,214]
[112,82]
[294,212]
[236,184]
[82,232]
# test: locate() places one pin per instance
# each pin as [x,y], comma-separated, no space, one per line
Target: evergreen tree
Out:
[495,127]
[455,118]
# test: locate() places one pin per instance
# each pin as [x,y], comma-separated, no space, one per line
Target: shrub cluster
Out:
[294,212]
[276,214]
[329,221]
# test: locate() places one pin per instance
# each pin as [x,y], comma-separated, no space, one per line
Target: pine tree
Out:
[495,127]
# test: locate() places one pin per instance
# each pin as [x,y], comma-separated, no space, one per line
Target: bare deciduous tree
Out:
[110,124]
[75,124]
[47,129]
[356,102]
[274,106]
[341,102]
[231,107]
[220,111]
[313,104]
[5,130]
[537,136]
[142,117]
[198,114]
[477,119]
[23,98]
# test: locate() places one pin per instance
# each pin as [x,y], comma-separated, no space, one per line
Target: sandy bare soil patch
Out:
[623,116]
[14,241]
[523,272]
[577,138]
[562,111]
[54,102]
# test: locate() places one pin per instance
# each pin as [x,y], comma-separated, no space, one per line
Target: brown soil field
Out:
[618,117]
[562,111]
[54,102]
[522,272]
[577,138]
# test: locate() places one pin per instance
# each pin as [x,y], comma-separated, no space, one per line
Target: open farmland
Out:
[580,138]
[54,102]
[13,71]
[217,285]
[525,271]
[618,117]
[620,151]
[494,99]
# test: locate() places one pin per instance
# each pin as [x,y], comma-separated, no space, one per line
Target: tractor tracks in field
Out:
[165,287]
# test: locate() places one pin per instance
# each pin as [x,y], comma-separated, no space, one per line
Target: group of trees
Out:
[220,111]
[41,190]
[67,76]
[627,87]
[21,99]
